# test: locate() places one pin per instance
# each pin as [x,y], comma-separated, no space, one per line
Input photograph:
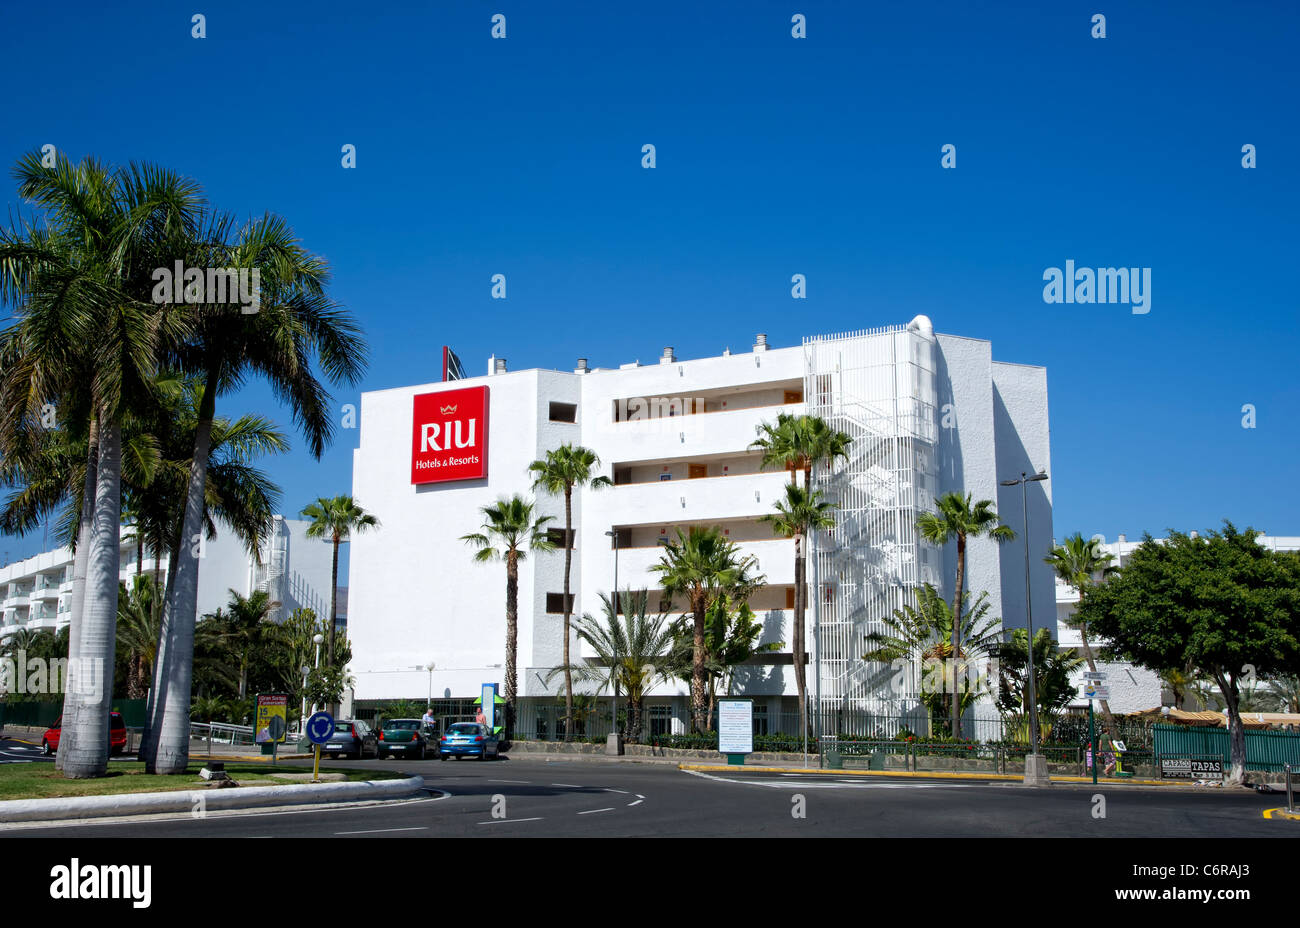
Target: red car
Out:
[116,734]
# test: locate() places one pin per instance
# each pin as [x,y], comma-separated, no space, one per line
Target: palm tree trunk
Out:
[568,561]
[800,594]
[512,639]
[1092,665]
[698,719]
[149,737]
[334,608]
[169,748]
[77,606]
[956,634]
[88,754]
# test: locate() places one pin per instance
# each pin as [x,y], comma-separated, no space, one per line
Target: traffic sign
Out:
[275,728]
[320,728]
[1094,675]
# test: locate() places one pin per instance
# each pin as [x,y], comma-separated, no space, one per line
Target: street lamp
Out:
[1035,763]
[613,744]
[317,638]
[302,719]
[429,702]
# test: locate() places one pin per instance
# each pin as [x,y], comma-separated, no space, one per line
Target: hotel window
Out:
[661,720]
[555,603]
[564,412]
[760,719]
[556,536]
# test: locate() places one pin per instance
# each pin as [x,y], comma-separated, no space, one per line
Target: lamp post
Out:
[429,702]
[318,638]
[1035,763]
[613,744]
[302,718]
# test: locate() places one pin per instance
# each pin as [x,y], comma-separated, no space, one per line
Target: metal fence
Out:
[1268,751]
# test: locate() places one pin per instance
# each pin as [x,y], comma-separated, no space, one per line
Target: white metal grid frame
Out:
[878,386]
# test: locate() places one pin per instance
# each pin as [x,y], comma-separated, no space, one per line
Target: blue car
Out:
[468,739]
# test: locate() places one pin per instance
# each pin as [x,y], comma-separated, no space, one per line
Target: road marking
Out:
[639,796]
[610,789]
[569,785]
[380,831]
[507,821]
[594,811]
[843,784]
[637,803]
[525,782]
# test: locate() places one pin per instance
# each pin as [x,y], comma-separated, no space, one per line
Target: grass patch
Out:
[42,781]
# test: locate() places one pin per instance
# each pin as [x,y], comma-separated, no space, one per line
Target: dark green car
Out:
[406,738]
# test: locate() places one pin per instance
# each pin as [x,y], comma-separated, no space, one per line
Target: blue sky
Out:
[775,156]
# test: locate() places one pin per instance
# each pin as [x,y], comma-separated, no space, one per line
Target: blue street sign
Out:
[320,728]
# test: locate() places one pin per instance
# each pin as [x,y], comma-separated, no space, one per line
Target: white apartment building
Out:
[36,593]
[1132,689]
[927,413]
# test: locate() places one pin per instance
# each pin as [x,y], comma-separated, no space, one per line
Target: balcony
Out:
[775,562]
[684,436]
[691,501]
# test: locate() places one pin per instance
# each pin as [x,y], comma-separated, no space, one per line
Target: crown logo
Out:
[447,410]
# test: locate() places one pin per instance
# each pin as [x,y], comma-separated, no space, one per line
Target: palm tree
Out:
[139,625]
[922,634]
[139,617]
[802,512]
[796,443]
[246,619]
[335,519]
[1053,668]
[560,472]
[1075,562]
[957,518]
[295,324]
[731,635]
[85,317]
[510,531]
[629,655]
[48,472]
[702,565]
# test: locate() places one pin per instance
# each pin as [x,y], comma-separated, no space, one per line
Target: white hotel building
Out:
[36,593]
[927,413]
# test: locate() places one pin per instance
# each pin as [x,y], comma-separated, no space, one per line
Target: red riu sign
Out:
[449,438]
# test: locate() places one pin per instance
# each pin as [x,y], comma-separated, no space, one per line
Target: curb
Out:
[188,800]
[919,774]
[1283,814]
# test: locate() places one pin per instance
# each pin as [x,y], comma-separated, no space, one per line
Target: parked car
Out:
[353,737]
[116,735]
[469,739]
[406,737]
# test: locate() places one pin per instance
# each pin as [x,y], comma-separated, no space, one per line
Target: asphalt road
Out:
[547,797]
